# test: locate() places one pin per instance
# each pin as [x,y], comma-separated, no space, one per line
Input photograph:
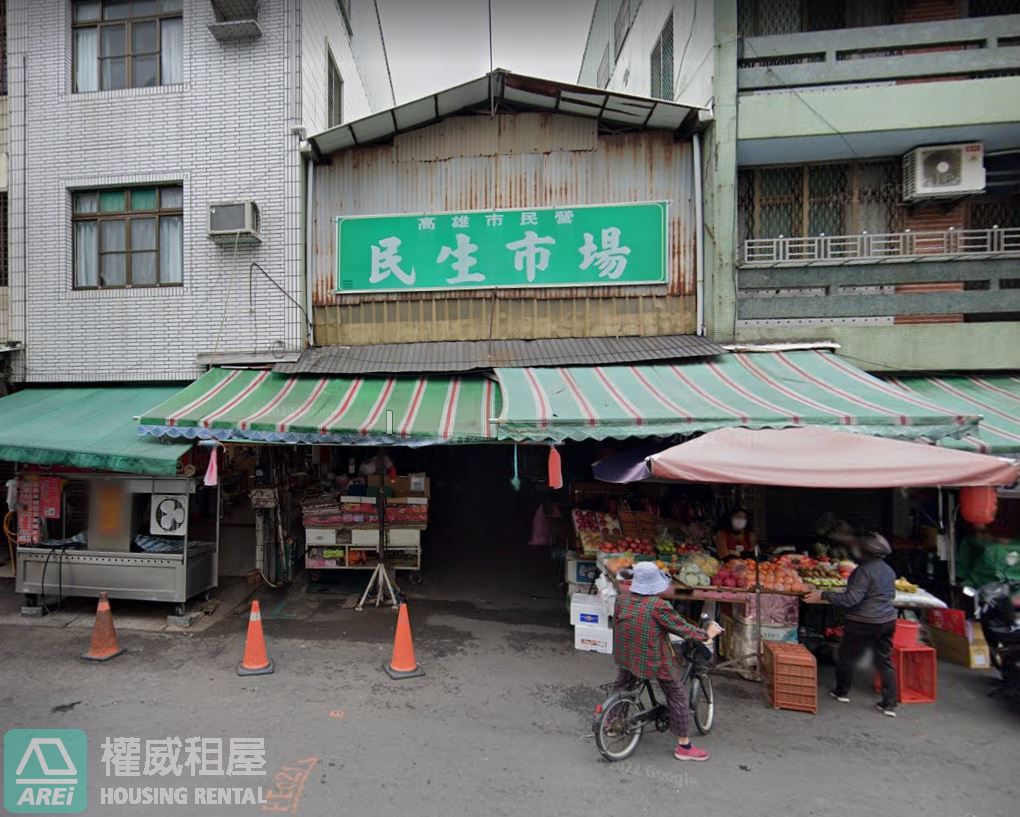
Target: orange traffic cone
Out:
[255,661]
[104,645]
[403,663]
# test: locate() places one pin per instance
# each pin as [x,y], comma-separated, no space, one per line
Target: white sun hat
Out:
[649,580]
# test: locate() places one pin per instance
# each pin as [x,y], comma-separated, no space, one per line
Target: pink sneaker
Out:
[692,752]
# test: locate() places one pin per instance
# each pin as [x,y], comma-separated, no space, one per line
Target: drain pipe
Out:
[699,236]
[309,246]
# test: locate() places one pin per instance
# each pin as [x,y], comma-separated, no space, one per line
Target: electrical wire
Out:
[683,54]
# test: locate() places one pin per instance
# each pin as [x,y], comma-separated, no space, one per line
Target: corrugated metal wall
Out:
[520,160]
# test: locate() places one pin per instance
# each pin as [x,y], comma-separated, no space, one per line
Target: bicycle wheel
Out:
[703,703]
[616,734]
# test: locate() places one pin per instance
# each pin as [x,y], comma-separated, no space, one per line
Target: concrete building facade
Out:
[812,231]
[127,122]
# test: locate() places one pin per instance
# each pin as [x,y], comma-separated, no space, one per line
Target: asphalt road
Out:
[495,727]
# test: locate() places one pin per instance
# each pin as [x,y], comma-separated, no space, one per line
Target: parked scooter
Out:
[997,607]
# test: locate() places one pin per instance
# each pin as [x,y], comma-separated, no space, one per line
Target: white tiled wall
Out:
[226,133]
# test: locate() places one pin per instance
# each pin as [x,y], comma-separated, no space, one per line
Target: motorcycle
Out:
[997,608]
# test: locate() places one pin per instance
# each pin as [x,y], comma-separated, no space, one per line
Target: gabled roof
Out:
[504,91]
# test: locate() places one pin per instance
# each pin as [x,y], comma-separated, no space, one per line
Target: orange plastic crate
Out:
[797,701]
[791,677]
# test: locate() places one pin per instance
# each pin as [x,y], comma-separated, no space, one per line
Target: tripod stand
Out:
[380,580]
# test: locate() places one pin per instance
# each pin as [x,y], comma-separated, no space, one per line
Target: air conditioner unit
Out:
[169,515]
[234,221]
[943,171]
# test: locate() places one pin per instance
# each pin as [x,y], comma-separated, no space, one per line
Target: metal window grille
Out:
[3,49]
[989,8]
[621,26]
[989,214]
[662,63]
[334,92]
[344,7]
[822,199]
[602,77]
[758,18]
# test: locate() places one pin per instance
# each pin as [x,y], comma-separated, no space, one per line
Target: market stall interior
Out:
[800,484]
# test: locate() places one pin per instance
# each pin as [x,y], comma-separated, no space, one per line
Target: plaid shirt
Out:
[641,635]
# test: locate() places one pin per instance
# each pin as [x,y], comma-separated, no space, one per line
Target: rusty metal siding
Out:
[518,160]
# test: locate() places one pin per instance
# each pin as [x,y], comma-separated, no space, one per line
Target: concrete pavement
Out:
[496,726]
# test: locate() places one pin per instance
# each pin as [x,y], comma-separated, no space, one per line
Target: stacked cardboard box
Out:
[958,640]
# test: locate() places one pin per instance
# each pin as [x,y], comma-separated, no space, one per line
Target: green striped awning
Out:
[262,406]
[753,390]
[996,398]
[86,427]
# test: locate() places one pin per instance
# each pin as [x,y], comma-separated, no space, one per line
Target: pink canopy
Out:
[824,458]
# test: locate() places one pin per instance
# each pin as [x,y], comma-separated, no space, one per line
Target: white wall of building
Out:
[693,46]
[227,133]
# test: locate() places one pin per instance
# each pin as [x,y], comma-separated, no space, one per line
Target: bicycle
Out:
[621,719]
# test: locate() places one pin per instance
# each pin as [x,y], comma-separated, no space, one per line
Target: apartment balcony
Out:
[906,246]
[909,300]
[964,48]
[878,91]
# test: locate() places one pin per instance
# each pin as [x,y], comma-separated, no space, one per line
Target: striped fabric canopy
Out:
[261,406]
[995,397]
[757,390]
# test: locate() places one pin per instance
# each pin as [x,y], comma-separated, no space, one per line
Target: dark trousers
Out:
[858,637]
[678,699]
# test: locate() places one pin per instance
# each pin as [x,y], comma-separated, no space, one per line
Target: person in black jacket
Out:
[867,604]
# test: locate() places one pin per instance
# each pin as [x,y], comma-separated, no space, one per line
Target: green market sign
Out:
[587,245]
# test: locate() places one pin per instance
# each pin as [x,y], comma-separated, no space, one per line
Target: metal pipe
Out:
[309,244]
[699,236]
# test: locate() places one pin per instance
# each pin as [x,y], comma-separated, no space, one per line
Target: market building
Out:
[504,288]
[498,285]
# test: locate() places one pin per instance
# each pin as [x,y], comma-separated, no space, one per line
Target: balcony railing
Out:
[968,47]
[878,247]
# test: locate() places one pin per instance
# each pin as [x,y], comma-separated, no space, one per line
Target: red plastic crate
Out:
[916,670]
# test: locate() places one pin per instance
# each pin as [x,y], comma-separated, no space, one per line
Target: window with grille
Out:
[822,199]
[621,26]
[759,18]
[128,237]
[344,6]
[985,215]
[988,8]
[3,240]
[662,63]
[127,44]
[602,77]
[334,92]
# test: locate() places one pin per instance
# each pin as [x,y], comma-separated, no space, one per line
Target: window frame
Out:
[126,216]
[129,55]
[332,86]
[344,7]
[657,63]
[851,197]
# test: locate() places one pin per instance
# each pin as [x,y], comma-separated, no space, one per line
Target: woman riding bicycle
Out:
[643,622]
